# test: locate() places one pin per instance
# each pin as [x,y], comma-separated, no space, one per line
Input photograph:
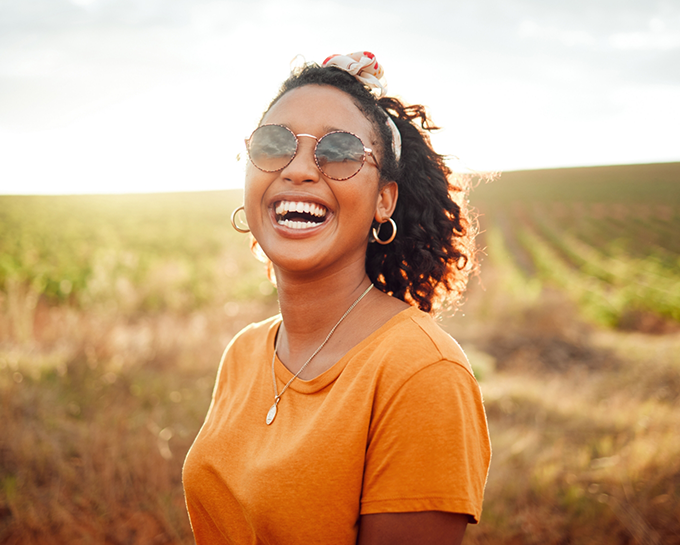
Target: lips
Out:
[300,214]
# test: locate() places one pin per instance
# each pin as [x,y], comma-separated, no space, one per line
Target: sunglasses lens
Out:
[340,155]
[271,147]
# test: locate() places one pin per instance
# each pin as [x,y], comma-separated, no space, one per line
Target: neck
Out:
[311,307]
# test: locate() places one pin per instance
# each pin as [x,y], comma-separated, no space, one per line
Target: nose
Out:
[303,166]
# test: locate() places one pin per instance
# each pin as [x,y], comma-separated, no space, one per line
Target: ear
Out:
[387,201]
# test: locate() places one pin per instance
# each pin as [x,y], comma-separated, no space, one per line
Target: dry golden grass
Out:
[584,428]
[98,413]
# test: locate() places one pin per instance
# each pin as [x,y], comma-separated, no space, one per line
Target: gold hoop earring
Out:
[233,221]
[394,233]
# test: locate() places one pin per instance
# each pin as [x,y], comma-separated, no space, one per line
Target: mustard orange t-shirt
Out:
[397,425]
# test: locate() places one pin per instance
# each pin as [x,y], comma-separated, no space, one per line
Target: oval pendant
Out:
[271,414]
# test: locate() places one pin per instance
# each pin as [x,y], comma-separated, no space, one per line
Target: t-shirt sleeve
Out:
[428,446]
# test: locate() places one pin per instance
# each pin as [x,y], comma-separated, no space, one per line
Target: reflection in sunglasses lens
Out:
[339,155]
[272,147]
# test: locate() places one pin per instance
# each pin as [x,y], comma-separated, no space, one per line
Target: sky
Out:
[119,96]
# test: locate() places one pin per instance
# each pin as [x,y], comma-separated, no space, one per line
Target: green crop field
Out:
[114,311]
[175,251]
[607,236]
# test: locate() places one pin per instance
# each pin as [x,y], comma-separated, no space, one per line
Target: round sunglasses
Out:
[339,155]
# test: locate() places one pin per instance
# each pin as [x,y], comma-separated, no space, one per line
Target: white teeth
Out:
[283,207]
[298,224]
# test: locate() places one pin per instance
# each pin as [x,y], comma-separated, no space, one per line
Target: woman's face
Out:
[337,214]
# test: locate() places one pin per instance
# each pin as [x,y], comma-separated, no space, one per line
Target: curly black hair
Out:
[430,259]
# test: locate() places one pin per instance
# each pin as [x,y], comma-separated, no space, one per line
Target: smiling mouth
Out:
[299,215]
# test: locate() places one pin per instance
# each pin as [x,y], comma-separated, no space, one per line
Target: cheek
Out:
[253,192]
[360,206]
[255,184]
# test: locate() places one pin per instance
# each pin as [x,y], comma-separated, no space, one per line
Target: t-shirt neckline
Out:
[311,386]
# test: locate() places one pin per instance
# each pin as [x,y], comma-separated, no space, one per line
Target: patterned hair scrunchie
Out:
[365,68]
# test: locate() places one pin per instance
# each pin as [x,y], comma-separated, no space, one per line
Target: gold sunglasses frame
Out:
[367,151]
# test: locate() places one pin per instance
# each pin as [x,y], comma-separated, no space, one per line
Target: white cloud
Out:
[645,41]
[570,38]
[84,3]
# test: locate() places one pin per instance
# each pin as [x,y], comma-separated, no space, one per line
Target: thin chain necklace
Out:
[271,414]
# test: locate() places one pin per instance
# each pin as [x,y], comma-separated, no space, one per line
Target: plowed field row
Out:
[614,257]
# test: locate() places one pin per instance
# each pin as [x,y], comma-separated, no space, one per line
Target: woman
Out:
[351,417]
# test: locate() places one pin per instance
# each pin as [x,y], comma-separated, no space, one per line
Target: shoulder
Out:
[252,343]
[411,357]
[256,332]
[413,341]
